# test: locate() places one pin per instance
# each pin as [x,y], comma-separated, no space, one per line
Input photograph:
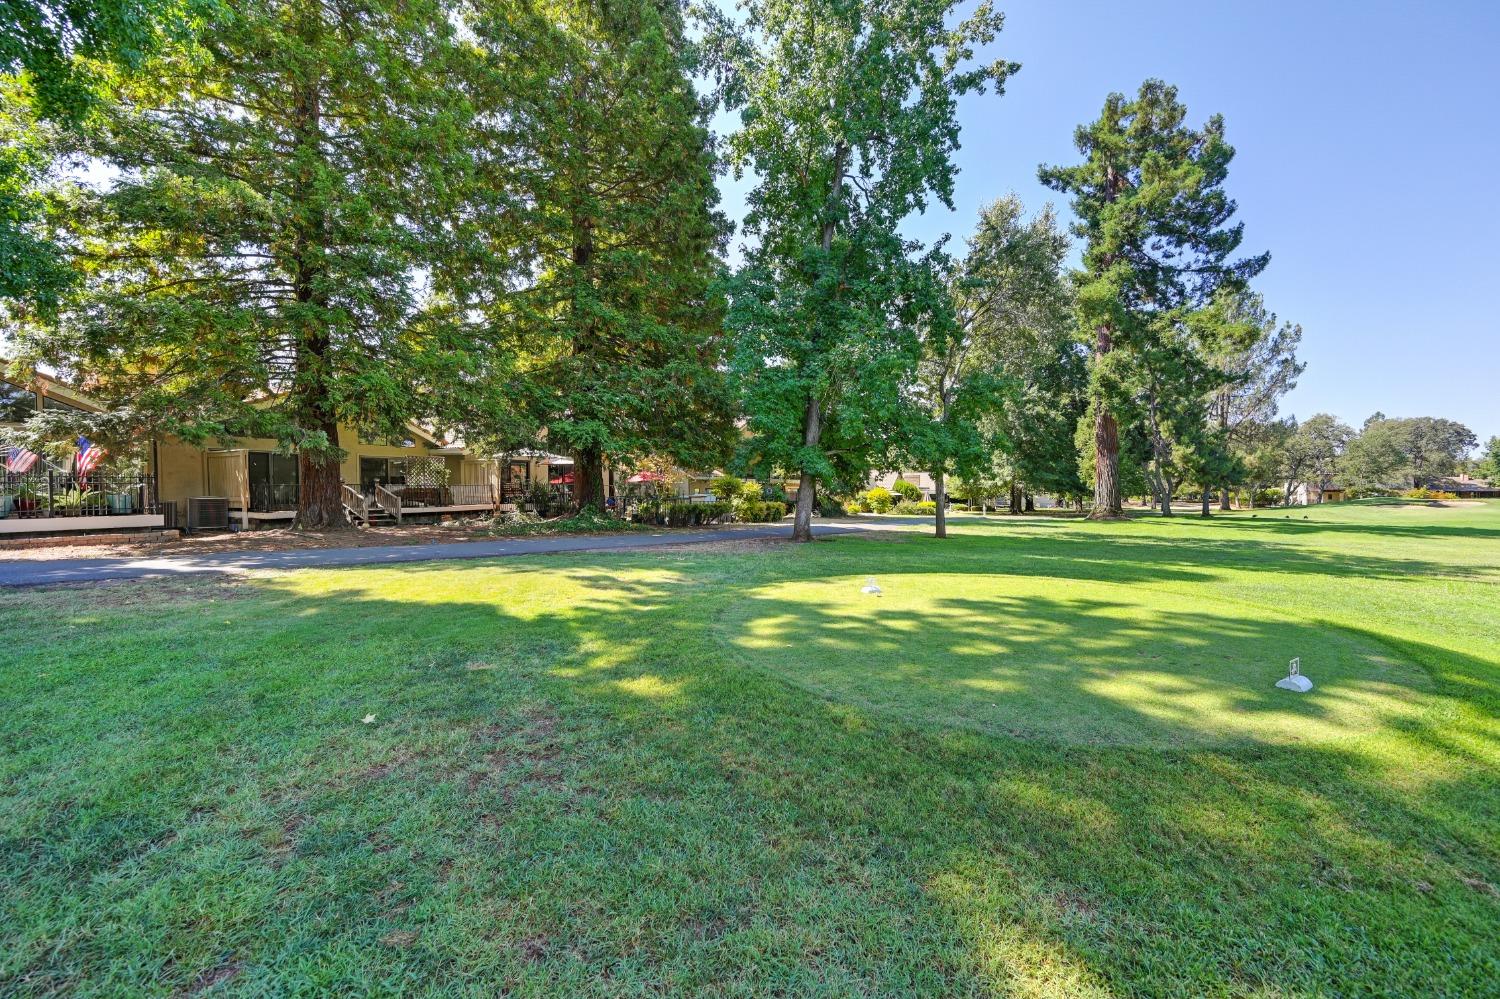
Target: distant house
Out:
[921,480]
[1465,487]
[1309,493]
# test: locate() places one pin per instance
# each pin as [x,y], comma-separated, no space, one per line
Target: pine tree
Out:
[1488,465]
[1257,374]
[848,111]
[1151,206]
[257,267]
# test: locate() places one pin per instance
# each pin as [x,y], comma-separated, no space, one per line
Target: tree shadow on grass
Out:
[1151,558]
[1143,668]
[568,788]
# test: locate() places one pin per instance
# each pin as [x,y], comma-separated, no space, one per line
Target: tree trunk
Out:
[588,479]
[1106,466]
[1015,498]
[1030,503]
[812,428]
[812,431]
[1207,499]
[940,494]
[1224,499]
[320,489]
[320,493]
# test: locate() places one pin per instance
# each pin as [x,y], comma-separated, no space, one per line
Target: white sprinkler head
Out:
[1294,680]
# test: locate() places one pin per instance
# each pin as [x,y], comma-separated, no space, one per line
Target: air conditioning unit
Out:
[208,513]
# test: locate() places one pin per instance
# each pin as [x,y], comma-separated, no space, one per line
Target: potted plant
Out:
[121,500]
[71,502]
[25,496]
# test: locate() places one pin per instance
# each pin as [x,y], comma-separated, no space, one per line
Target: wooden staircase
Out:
[385,510]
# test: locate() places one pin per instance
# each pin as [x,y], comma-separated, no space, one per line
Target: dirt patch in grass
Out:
[267,540]
[213,976]
[129,593]
[399,939]
[532,949]
[531,746]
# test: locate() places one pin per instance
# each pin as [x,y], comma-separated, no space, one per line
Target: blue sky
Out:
[1368,138]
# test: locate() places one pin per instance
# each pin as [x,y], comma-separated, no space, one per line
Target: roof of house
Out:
[1462,484]
[50,385]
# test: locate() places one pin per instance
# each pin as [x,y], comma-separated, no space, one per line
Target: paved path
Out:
[77,570]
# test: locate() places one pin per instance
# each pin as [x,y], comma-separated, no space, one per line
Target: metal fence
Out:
[36,495]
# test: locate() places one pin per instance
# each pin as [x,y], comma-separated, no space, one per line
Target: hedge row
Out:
[760,512]
[665,514]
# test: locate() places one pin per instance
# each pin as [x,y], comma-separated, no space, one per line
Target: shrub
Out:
[761,511]
[906,490]
[829,506]
[680,513]
[855,507]
[920,508]
[727,488]
[927,507]
[540,497]
[959,507]
[1422,493]
[879,499]
[1266,497]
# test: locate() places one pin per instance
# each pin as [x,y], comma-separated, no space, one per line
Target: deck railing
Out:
[35,495]
[355,501]
[389,501]
[464,494]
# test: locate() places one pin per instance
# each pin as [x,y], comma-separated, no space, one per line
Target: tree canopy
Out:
[1159,242]
[848,113]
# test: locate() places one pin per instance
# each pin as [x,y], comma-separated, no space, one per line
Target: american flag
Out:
[18,460]
[89,456]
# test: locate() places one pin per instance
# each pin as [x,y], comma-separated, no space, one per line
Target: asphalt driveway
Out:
[80,570]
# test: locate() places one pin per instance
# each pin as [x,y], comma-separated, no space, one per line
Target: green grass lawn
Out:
[1049,760]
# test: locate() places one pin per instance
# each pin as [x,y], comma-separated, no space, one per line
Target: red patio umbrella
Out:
[639,477]
[565,479]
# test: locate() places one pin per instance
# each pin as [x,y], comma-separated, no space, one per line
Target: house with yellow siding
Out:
[419,477]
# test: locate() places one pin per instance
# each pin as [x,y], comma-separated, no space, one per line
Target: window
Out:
[382,471]
[16,403]
[273,481]
[55,405]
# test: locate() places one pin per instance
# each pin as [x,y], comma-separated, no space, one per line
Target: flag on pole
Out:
[89,456]
[19,460]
